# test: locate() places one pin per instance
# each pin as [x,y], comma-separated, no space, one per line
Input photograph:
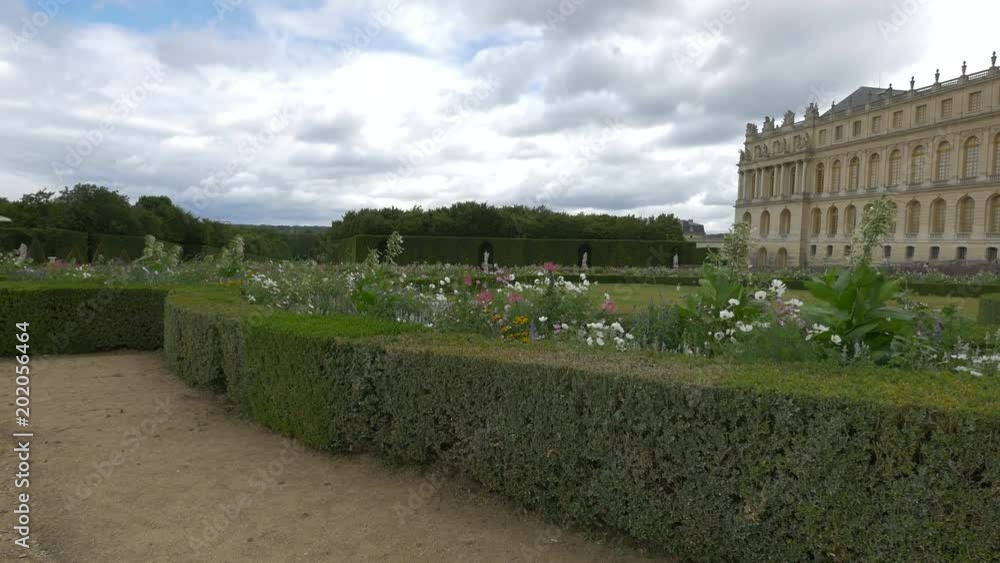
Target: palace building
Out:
[934,151]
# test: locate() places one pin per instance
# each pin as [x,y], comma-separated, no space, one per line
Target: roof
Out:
[862,96]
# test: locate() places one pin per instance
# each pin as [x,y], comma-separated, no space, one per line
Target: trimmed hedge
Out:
[687,456]
[76,319]
[989,309]
[43,243]
[519,252]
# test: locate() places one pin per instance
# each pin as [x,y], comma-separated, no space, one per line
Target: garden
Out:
[716,413]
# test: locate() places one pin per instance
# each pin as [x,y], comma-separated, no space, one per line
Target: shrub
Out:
[989,309]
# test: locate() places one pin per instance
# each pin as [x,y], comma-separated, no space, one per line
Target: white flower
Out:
[836,339]
[590,341]
[618,327]
[565,326]
[542,319]
[744,327]
[629,336]
[778,287]
[511,277]
[583,277]
[795,303]
[720,335]
[600,341]
[734,302]
[760,295]
[820,329]
[726,314]
[447,280]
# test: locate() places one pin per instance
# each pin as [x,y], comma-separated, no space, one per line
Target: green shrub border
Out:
[686,456]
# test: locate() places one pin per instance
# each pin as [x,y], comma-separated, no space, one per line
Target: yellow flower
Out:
[520,320]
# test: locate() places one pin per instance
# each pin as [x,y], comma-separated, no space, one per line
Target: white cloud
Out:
[316,109]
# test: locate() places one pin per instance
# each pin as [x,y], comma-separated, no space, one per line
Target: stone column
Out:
[779,184]
[740,194]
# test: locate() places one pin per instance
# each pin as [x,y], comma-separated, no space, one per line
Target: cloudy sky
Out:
[294,111]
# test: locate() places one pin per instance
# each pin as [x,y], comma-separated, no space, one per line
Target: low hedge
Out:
[687,456]
[79,319]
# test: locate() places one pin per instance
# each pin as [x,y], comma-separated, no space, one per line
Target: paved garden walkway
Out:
[130,464]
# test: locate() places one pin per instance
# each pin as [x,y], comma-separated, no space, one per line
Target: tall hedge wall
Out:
[43,243]
[690,457]
[519,252]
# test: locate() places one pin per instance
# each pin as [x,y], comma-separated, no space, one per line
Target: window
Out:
[946,107]
[938,209]
[772,182]
[791,181]
[970,166]
[853,174]
[887,252]
[829,250]
[895,168]
[820,171]
[991,254]
[765,224]
[897,120]
[996,156]
[966,212]
[909,253]
[922,114]
[913,218]
[850,219]
[943,170]
[785,223]
[918,165]
[877,124]
[832,217]
[816,221]
[935,252]
[847,250]
[993,215]
[874,163]
[822,137]
[856,129]
[962,253]
[975,101]
[747,218]
[838,133]
[812,250]
[835,179]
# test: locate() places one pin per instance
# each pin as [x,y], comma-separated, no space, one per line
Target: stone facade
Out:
[934,151]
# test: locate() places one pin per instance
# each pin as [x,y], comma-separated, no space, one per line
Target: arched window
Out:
[938,209]
[993,215]
[874,163]
[782,260]
[895,168]
[913,218]
[970,164]
[835,179]
[854,174]
[850,219]
[785,222]
[761,257]
[773,182]
[820,172]
[918,166]
[966,212]
[791,181]
[765,224]
[747,218]
[943,170]
[816,221]
[832,217]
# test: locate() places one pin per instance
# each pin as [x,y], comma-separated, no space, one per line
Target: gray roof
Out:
[862,96]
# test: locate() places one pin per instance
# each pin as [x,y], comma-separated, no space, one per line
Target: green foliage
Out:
[470,219]
[876,223]
[158,257]
[229,263]
[853,307]
[734,255]
[989,309]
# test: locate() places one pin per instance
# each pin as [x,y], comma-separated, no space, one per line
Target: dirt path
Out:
[130,464]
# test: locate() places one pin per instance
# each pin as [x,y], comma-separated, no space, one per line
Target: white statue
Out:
[486,260]
[583,263]
[677,261]
[22,253]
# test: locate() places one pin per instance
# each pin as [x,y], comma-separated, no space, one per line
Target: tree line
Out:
[471,219]
[97,209]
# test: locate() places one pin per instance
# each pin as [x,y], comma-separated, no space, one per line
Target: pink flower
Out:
[467,280]
[484,298]
[609,306]
[515,297]
[549,266]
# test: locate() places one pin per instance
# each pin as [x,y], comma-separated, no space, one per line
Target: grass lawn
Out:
[629,296]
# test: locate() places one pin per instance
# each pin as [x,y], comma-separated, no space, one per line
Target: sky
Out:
[296,111]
